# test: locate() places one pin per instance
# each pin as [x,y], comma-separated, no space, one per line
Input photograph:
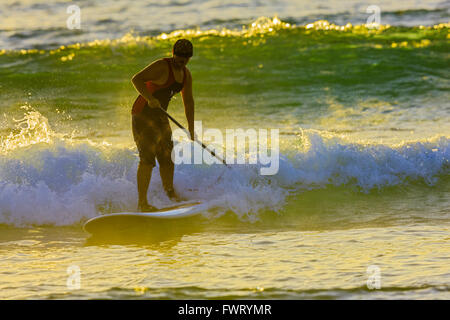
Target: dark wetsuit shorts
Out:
[153,136]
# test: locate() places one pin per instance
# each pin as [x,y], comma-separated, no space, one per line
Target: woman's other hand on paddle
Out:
[153,103]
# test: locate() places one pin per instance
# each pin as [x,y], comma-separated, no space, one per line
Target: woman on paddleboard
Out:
[156,84]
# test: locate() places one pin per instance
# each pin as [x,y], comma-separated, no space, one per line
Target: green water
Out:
[363,179]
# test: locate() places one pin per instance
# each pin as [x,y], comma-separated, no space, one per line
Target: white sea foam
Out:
[61,183]
[47,180]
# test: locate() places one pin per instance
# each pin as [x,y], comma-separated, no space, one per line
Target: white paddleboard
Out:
[127,219]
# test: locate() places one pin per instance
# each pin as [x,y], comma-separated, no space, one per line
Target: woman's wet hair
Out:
[183,48]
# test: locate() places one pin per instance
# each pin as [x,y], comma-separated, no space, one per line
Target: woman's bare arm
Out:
[152,72]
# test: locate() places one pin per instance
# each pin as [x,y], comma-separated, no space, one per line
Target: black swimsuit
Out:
[151,128]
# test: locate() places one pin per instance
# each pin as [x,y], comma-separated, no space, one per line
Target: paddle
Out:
[200,143]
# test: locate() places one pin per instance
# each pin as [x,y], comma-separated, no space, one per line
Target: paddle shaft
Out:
[200,143]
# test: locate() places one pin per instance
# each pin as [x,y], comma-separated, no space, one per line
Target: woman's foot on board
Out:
[173,195]
[145,207]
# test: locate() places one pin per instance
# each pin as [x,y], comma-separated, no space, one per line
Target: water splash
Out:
[66,184]
[33,128]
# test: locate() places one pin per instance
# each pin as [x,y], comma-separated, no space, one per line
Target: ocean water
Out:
[363,186]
